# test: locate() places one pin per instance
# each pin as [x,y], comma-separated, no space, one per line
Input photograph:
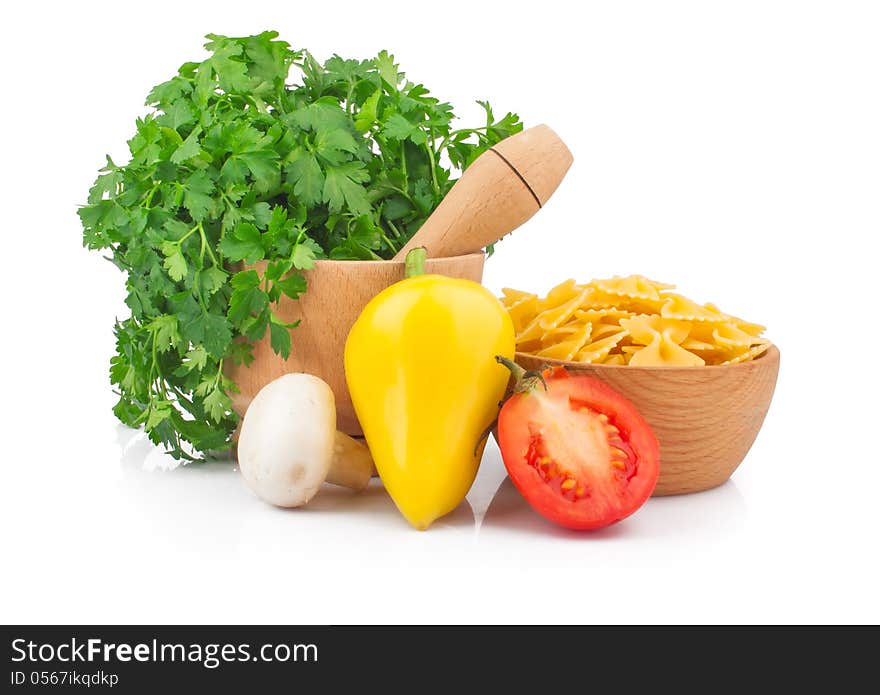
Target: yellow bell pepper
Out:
[420,366]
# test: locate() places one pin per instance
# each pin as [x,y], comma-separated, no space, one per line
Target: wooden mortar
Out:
[499,191]
[337,293]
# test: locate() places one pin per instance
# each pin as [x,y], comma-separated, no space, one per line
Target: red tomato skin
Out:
[581,515]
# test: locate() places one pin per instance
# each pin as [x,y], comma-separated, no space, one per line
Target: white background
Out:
[732,148]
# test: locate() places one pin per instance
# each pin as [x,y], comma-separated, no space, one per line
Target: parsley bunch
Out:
[234,166]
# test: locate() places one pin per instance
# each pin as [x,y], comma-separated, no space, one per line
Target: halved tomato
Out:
[578,451]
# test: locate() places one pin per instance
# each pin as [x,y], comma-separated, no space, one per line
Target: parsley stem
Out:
[181,396]
[393,228]
[403,165]
[149,199]
[402,192]
[348,103]
[227,199]
[159,379]
[198,291]
[430,149]
[186,236]
[444,143]
[206,246]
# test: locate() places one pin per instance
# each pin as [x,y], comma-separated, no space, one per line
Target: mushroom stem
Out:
[352,464]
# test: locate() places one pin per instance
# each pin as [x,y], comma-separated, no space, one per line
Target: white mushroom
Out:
[289,444]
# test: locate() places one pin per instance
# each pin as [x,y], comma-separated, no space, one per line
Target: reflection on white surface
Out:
[489,477]
[711,513]
[375,504]
[147,540]
[138,453]
[493,504]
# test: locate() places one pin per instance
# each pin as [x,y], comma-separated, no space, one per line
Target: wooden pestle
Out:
[499,191]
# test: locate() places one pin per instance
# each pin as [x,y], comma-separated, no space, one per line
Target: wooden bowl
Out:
[705,418]
[337,293]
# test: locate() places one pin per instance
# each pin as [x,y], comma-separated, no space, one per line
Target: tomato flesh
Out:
[579,452]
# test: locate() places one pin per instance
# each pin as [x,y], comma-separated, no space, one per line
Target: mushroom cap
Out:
[287,437]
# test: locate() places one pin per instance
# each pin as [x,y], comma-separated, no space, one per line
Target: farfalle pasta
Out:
[629,321]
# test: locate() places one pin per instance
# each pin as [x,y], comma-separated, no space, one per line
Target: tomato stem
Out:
[517,371]
[414,263]
[525,381]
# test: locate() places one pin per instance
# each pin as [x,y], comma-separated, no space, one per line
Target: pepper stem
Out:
[525,381]
[414,264]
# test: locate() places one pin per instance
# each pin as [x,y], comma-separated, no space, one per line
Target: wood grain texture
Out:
[499,191]
[705,418]
[337,293]
[541,158]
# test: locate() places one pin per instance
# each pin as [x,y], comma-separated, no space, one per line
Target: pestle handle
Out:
[499,191]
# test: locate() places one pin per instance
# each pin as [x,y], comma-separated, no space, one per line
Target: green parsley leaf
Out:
[342,187]
[303,257]
[293,285]
[174,263]
[165,333]
[247,298]
[279,337]
[308,179]
[366,117]
[388,69]
[196,196]
[245,243]
[159,412]
[218,404]
[212,279]
[188,149]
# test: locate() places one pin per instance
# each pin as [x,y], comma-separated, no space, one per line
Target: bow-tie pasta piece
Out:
[645,328]
[711,353]
[679,307]
[754,329]
[567,348]
[532,332]
[522,309]
[634,293]
[562,334]
[609,315]
[551,317]
[694,344]
[600,349]
[662,340]
[602,330]
[729,335]
[597,300]
[749,354]
[633,286]
[560,294]
[664,352]
[510,297]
